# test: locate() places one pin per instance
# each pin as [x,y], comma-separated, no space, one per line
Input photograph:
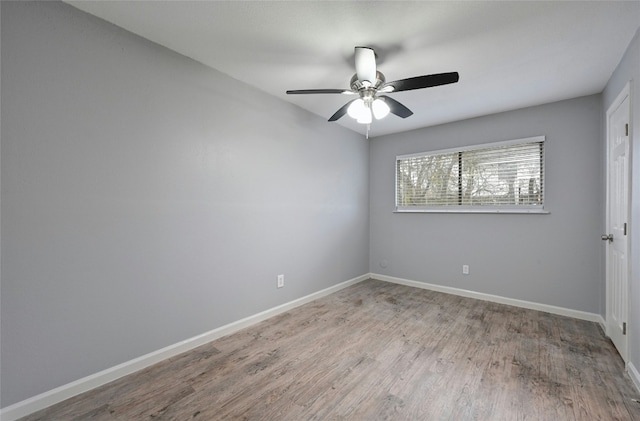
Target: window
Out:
[496,177]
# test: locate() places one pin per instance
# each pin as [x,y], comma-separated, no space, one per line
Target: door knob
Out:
[607,237]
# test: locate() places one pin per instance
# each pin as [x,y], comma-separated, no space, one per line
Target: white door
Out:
[617,238]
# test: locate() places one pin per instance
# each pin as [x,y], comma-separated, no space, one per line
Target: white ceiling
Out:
[509,54]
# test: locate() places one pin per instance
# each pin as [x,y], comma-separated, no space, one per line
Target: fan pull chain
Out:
[368,127]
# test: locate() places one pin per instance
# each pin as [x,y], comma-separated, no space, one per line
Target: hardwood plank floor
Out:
[380,351]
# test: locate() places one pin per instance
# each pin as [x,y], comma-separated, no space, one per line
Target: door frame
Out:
[624,93]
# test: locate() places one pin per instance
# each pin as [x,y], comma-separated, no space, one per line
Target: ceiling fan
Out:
[370,85]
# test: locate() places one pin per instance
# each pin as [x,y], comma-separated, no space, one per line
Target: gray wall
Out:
[552,259]
[629,69]
[147,198]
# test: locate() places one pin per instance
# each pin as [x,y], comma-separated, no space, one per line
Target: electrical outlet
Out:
[465,269]
[280,281]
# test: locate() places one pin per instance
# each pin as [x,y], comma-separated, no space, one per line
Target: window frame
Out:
[526,209]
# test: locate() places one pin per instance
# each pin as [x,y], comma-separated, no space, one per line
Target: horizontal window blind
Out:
[500,175]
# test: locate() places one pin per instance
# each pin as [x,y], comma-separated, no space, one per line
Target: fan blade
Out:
[320,91]
[420,82]
[396,108]
[342,111]
[365,65]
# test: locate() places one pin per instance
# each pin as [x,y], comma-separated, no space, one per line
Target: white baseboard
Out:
[59,394]
[635,376]
[576,314]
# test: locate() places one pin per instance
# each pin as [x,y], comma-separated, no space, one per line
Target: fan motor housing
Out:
[357,86]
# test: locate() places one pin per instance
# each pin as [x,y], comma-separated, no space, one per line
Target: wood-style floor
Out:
[380,351]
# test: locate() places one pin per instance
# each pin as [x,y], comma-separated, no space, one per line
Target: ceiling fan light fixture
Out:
[365,117]
[370,85]
[360,110]
[357,108]
[380,108]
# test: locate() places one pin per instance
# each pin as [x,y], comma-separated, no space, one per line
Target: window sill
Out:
[513,211]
